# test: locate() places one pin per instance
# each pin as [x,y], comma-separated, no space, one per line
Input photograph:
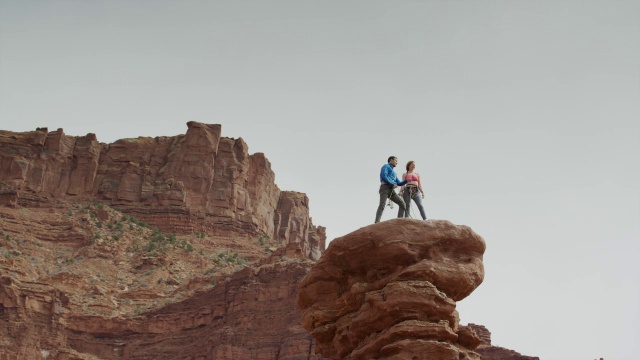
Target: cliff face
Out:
[151,248]
[247,316]
[389,291]
[185,184]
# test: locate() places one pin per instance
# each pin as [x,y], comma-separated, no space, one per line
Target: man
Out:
[389,181]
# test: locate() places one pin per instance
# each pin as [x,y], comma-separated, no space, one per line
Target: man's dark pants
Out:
[386,191]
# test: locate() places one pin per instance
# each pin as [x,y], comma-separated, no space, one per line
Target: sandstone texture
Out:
[86,281]
[389,291]
[196,182]
[246,314]
[490,352]
[151,248]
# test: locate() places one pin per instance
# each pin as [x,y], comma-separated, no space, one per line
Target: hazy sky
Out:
[523,118]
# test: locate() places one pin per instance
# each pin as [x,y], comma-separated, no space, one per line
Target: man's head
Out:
[392,160]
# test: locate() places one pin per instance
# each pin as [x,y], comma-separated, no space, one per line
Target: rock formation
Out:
[183,247]
[151,248]
[490,352]
[389,291]
[188,183]
[247,316]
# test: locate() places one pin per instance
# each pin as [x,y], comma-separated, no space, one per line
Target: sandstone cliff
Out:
[389,291]
[196,182]
[248,315]
[150,248]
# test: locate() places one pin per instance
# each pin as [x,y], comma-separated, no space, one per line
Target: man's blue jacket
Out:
[389,177]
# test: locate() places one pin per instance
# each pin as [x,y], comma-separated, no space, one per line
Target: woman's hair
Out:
[409,164]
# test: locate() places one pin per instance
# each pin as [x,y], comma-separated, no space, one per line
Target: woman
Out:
[412,190]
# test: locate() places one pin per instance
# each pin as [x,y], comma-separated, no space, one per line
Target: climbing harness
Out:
[413,191]
[389,202]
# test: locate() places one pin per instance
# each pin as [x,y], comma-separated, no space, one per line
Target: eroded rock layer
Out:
[199,181]
[248,315]
[389,291]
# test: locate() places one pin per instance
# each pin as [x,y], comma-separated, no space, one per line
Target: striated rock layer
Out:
[151,248]
[247,316]
[196,182]
[389,291]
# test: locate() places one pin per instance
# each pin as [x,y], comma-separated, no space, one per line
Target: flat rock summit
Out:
[184,247]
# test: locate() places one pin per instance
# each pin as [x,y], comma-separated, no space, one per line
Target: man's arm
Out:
[388,176]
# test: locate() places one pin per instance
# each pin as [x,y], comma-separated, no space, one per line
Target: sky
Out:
[523,118]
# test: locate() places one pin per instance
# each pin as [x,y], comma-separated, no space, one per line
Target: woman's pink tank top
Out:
[412,178]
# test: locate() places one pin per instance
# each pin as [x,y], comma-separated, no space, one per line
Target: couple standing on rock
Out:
[411,188]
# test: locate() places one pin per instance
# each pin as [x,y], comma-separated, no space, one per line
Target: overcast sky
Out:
[522,116]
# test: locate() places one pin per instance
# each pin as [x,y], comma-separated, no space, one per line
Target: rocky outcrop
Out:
[249,315]
[490,352]
[389,291]
[40,164]
[293,225]
[196,182]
